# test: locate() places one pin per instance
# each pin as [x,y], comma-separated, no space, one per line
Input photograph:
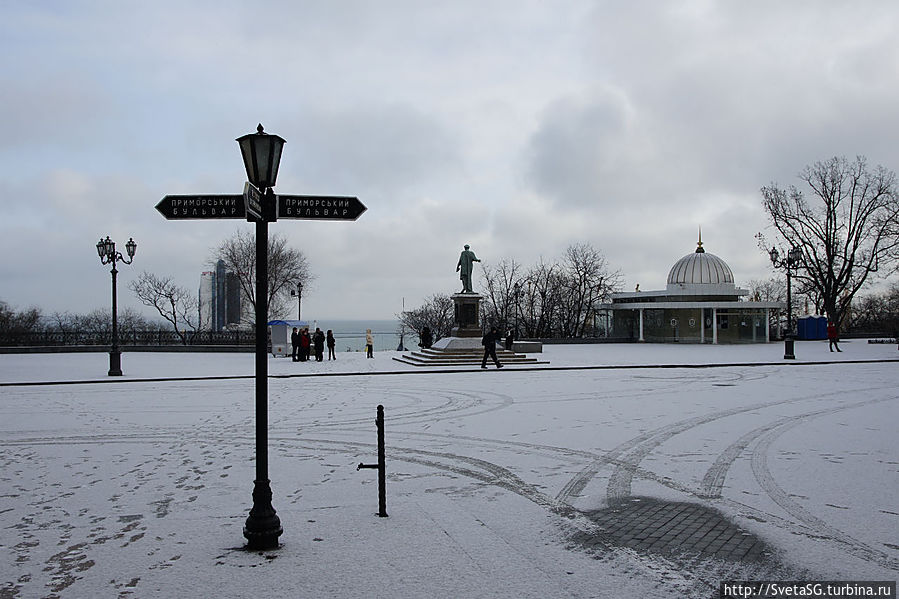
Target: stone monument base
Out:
[467,311]
[459,343]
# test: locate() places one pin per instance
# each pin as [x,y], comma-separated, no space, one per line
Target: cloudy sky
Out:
[519,127]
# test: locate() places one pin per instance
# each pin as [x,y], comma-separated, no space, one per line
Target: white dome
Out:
[700,268]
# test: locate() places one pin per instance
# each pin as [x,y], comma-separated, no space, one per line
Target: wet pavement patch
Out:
[656,526]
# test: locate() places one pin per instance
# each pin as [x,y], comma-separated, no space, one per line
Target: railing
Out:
[126,338]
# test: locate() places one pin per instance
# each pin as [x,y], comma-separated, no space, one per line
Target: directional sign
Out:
[253,201]
[201,207]
[320,207]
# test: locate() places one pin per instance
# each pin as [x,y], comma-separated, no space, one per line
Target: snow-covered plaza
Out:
[510,483]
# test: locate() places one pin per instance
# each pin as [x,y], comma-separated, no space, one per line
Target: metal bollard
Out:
[381,465]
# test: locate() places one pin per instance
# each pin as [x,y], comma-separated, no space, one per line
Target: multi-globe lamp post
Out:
[261,156]
[788,262]
[109,255]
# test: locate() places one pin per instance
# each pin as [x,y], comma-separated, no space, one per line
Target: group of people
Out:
[305,344]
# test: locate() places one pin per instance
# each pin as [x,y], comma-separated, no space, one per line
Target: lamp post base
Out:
[115,363]
[263,527]
[788,349]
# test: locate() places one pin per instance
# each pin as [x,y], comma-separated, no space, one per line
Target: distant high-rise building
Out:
[219,298]
[207,300]
[219,313]
[232,299]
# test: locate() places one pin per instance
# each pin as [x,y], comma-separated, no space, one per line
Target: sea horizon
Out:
[350,333]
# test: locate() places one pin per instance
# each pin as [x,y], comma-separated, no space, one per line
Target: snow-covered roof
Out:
[700,268]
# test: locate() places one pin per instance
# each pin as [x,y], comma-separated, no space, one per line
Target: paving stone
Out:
[652,525]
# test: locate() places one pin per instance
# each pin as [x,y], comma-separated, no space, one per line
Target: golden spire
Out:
[699,249]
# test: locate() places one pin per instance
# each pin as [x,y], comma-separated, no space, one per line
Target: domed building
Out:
[701,304]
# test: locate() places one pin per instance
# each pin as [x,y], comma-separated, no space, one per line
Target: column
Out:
[715,326]
[641,325]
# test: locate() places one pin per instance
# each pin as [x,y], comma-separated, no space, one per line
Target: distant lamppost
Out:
[261,156]
[299,295]
[517,293]
[788,263]
[109,255]
[401,346]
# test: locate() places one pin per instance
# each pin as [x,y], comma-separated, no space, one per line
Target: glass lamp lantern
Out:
[261,153]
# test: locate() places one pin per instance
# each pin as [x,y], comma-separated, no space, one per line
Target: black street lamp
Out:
[109,255]
[299,295]
[788,263]
[261,153]
[261,156]
[517,293]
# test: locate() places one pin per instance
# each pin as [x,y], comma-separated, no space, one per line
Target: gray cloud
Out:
[518,127]
[386,149]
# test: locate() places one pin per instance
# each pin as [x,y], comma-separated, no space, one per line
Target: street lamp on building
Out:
[109,255]
[788,263]
[261,157]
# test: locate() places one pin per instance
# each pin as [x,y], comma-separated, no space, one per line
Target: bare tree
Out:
[15,323]
[499,282]
[847,231]
[552,299]
[286,267]
[587,280]
[174,303]
[876,313]
[436,313]
[94,327]
[543,282]
[768,290]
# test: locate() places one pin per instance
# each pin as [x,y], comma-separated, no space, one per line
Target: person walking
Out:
[331,342]
[833,335]
[294,344]
[369,344]
[489,343]
[318,340]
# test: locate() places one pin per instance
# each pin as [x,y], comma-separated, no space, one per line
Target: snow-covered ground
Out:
[141,487]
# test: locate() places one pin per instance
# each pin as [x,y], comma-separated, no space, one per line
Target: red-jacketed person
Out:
[833,335]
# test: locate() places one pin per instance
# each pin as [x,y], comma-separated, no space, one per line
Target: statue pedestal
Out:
[467,315]
[466,335]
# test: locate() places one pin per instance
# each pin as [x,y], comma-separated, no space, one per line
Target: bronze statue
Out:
[464,268]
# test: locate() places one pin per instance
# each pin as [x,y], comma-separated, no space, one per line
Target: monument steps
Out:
[463,357]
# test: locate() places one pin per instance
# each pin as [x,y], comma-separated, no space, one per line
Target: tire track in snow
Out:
[515,484]
[629,454]
[780,497]
[454,404]
[632,452]
[713,481]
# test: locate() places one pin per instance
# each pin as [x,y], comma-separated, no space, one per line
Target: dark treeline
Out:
[30,327]
[876,313]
